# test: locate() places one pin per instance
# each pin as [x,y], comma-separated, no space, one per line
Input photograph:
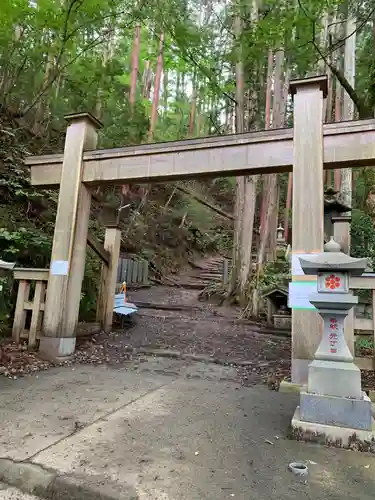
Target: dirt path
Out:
[203,328]
[186,326]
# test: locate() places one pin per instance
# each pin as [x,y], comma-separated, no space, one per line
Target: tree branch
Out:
[362,108]
[360,104]
[204,202]
[188,57]
[97,41]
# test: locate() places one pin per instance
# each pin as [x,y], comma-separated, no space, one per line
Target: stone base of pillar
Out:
[286,386]
[336,411]
[334,378]
[57,349]
[332,435]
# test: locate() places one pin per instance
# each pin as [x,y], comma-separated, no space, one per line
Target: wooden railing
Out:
[28,279]
[31,295]
[35,281]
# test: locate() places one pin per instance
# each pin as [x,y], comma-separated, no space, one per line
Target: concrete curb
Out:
[205,358]
[34,479]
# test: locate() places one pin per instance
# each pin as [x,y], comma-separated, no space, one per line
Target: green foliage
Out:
[25,246]
[364,344]
[363,347]
[274,275]
[362,242]
[362,236]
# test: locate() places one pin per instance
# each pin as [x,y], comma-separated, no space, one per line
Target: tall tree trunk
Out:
[147,80]
[239,125]
[263,203]
[277,122]
[271,181]
[339,34]
[135,65]
[348,105]
[165,92]
[43,104]
[290,175]
[245,186]
[155,101]
[193,107]
[107,56]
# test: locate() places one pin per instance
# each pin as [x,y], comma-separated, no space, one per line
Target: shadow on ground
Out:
[171,430]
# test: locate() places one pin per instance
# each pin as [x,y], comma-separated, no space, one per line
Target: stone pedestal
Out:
[334,379]
[332,403]
[355,413]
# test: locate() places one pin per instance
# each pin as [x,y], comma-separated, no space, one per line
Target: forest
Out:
[166,70]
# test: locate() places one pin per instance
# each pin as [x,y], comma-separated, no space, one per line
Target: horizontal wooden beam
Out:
[346,144]
[363,324]
[364,282]
[30,274]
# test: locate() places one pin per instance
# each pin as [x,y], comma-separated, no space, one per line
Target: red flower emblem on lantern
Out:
[333,282]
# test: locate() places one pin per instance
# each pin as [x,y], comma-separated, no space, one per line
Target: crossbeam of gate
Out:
[346,144]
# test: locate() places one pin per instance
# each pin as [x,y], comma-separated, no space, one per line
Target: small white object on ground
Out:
[298,468]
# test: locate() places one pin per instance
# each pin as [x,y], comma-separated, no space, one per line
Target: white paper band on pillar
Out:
[298,296]
[60,267]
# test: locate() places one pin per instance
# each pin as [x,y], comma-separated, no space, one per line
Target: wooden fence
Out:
[31,297]
[28,315]
[133,272]
[32,286]
[365,326]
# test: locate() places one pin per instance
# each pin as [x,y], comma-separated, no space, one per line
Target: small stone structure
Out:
[332,405]
[281,246]
[278,312]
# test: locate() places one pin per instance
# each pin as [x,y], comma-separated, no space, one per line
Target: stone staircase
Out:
[203,273]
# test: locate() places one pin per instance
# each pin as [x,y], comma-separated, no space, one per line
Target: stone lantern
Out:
[334,208]
[280,244]
[280,235]
[333,398]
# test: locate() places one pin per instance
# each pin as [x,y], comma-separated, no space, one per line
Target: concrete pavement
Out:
[166,429]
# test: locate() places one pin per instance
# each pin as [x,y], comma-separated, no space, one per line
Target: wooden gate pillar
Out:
[104,310]
[308,208]
[69,241]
